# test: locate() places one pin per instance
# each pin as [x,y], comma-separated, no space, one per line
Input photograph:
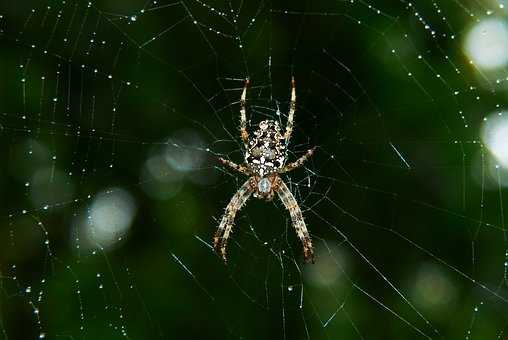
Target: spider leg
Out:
[292,109]
[220,239]
[238,167]
[292,206]
[299,162]
[243,114]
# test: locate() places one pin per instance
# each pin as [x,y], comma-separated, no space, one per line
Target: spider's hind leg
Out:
[243,114]
[291,114]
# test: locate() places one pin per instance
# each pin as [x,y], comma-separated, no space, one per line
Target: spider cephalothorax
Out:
[265,157]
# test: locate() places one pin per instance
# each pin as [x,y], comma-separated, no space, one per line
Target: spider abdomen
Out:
[266,152]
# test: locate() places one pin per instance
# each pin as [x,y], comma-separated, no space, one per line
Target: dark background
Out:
[408,246]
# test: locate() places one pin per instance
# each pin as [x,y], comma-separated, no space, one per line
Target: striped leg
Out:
[292,109]
[238,167]
[299,162]
[292,206]
[220,239]
[243,114]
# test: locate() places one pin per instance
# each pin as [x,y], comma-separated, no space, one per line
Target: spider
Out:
[265,157]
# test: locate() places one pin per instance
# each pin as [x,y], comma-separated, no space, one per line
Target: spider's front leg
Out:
[222,234]
[299,162]
[295,212]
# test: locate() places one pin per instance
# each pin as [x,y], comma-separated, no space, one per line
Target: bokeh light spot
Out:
[329,269]
[495,136]
[184,152]
[432,288]
[487,43]
[110,217]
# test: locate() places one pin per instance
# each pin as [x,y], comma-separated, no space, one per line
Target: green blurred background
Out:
[113,114]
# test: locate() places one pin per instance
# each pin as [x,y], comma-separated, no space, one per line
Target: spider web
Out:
[112,116]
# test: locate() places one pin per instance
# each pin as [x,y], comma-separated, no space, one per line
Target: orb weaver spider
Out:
[265,158]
